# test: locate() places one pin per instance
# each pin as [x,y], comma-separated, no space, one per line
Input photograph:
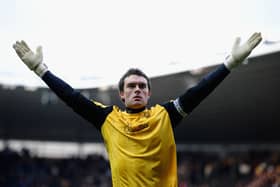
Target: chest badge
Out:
[130,129]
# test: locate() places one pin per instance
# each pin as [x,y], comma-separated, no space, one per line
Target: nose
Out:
[137,88]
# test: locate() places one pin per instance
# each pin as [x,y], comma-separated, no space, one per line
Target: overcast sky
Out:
[91,43]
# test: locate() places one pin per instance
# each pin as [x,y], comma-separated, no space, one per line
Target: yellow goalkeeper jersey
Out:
[141,148]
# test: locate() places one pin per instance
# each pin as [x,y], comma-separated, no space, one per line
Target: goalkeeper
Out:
[139,140]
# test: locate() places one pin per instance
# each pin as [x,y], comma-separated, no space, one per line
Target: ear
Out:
[121,94]
[149,94]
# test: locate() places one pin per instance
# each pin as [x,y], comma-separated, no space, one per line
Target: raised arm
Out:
[193,96]
[73,98]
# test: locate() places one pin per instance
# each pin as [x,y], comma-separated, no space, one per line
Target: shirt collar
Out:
[133,111]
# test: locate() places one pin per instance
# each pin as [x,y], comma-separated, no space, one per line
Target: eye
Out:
[131,85]
[142,85]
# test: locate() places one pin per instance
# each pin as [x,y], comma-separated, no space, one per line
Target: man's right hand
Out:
[34,61]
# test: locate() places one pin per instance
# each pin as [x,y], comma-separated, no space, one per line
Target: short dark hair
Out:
[133,71]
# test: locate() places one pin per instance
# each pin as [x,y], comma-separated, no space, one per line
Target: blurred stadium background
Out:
[231,137]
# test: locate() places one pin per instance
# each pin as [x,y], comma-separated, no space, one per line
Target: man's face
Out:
[135,93]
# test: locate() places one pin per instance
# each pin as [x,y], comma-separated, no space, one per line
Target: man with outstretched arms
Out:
[139,140]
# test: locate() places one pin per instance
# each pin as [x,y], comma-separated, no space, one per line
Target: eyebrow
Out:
[141,84]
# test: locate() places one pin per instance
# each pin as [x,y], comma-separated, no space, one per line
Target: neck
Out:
[132,110]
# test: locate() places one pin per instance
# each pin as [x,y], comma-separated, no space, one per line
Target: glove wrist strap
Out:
[231,62]
[41,69]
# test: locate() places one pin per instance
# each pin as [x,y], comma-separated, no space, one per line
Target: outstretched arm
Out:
[193,96]
[73,98]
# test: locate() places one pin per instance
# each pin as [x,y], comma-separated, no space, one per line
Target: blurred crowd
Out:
[225,169]
[24,170]
[195,169]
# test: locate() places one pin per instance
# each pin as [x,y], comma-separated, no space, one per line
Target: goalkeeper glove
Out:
[34,61]
[240,52]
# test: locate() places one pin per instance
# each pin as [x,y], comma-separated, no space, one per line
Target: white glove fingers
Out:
[254,37]
[18,50]
[20,47]
[255,40]
[25,46]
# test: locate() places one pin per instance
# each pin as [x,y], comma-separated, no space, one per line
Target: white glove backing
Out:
[240,52]
[34,61]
